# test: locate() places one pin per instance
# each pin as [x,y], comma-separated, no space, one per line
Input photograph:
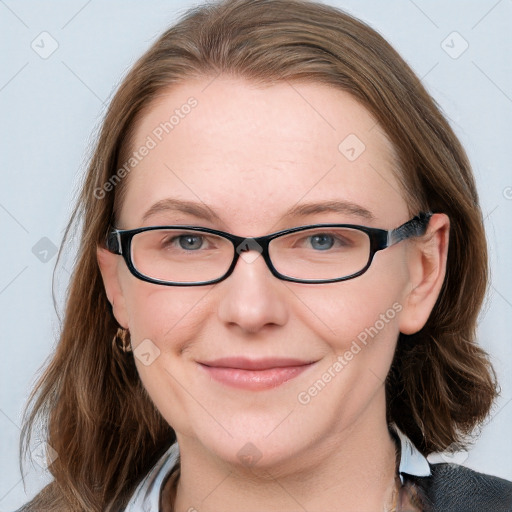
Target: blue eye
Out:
[187,242]
[322,241]
[190,242]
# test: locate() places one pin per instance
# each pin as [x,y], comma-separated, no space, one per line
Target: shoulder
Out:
[455,488]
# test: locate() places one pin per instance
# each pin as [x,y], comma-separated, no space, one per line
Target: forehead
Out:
[251,153]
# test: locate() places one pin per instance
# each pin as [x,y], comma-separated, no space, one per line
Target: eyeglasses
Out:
[195,256]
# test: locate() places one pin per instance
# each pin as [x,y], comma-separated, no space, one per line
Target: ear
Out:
[108,263]
[427,268]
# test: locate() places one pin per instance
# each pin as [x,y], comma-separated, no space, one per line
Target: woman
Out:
[275,299]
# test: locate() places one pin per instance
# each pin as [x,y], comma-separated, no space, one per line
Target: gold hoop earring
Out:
[121,340]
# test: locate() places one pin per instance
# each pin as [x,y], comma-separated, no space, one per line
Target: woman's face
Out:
[251,155]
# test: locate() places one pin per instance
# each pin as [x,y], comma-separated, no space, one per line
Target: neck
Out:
[353,469]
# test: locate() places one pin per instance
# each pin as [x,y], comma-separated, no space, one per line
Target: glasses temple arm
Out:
[415,227]
[113,242]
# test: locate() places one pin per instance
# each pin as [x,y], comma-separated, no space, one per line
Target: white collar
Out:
[146,497]
[412,462]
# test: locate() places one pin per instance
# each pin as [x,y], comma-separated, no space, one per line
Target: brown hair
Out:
[94,410]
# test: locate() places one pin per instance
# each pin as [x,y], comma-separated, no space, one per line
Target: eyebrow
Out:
[343,207]
[204,212]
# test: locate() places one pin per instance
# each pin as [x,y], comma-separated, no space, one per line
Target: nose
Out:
[251,297]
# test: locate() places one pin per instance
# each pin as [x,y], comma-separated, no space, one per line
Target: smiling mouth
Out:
[254,375]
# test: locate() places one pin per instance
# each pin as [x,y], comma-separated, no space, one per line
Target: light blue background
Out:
[52,107]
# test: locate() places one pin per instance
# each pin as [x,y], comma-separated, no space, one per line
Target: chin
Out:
[261,445]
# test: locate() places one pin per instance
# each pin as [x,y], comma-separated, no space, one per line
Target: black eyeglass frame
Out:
[118,241]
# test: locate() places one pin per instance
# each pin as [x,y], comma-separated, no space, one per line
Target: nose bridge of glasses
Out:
[250,248]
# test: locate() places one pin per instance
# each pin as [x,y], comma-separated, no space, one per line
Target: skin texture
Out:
[250,154]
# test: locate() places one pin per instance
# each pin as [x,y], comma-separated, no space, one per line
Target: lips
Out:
[243,363]
[254,374]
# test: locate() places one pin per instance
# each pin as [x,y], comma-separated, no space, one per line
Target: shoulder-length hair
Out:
[93,408]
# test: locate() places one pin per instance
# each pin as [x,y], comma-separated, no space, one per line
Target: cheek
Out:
[363,337]
[171,318]
[359,327]
[168,316]
[361,316]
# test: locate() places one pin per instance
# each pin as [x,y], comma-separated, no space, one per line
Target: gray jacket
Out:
[454,488]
